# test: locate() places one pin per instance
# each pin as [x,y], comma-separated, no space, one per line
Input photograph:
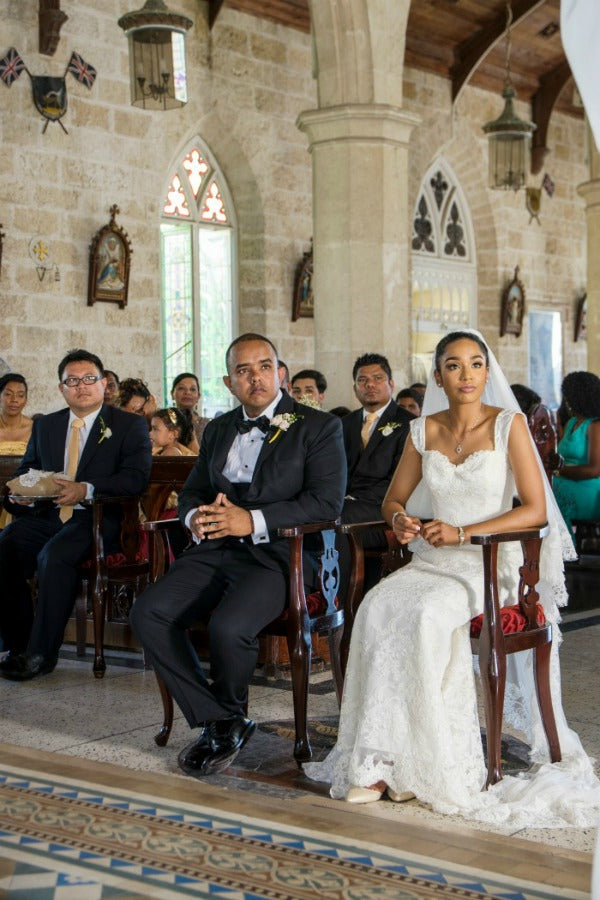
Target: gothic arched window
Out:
[444,275]
[198,286]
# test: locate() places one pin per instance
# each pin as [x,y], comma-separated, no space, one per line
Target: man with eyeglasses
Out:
[374,438]
[99,449]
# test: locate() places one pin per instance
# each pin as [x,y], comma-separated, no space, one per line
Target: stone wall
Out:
[248,81]
[551,253]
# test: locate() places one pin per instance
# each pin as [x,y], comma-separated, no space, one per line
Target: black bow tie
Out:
[246,425]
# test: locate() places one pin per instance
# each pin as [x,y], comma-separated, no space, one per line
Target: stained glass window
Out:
[197,252]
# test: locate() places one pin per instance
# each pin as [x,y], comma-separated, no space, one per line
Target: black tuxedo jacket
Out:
[115,465]
[300,475]
[370,470]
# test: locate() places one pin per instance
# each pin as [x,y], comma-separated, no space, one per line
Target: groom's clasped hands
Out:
[221,519]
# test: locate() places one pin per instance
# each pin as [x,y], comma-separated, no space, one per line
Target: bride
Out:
[409,724]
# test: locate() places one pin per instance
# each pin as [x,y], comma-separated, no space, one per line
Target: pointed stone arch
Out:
[444,264]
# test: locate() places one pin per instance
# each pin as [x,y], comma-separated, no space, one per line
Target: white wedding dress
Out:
[409,712]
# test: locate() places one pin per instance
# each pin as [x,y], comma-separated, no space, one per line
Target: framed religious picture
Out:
[303,302]
[110,260]
[580,318]
[513,307]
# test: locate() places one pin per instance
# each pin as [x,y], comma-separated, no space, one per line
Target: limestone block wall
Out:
[551,254]
[247,81]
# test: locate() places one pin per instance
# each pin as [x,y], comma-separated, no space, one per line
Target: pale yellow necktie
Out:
[72,462]
[365,431]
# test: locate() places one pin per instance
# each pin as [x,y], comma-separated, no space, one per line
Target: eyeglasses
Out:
[72,381]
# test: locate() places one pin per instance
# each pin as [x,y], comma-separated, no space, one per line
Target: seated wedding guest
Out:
[269,463]
[410,399]
[409,722]
[112,386]
[171,433]
[99,448]
[185,392]
[15,428]
[284,376]
[418,386]
[374,437]
[132,396]
[309,383]
[576,481]
[526,397]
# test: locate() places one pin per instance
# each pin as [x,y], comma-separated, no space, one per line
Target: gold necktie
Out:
[66,512]
[365,431]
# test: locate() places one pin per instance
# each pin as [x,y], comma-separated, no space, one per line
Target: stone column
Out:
[360,230]
[590,191]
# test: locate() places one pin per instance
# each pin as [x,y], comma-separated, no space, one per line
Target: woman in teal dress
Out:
[576,483]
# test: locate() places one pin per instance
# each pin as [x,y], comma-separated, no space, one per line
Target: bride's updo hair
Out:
[459,336]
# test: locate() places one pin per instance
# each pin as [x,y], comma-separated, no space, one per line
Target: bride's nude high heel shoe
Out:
[400,798]
[363,795]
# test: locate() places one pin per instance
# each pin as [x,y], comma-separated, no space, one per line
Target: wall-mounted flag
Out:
[49,93]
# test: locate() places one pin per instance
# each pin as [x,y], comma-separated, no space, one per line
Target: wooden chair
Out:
[317,613]
[511,629]
[110,583]
[392,558]
[543,431]
[495,633]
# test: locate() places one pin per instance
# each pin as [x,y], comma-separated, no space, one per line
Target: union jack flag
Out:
[11,67]
[82,71]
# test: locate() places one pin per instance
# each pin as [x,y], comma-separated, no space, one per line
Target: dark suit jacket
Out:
[115,465]
[300,475]
[370,470]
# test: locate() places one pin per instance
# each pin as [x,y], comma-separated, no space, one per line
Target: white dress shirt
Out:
[239,469]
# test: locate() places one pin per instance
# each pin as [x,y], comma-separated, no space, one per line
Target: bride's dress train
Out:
[409,713]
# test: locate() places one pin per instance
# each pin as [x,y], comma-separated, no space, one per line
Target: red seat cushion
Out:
[315,604]
[511,619]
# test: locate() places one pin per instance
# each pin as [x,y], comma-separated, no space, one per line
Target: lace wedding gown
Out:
[409,712]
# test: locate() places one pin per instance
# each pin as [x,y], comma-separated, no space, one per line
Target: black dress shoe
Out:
[26,666]
[217,746]
[192,757]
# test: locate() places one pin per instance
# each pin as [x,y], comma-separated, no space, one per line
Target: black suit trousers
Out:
[45,545]
[227,587]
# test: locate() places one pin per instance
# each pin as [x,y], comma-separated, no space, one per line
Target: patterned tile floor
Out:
[81,723]
[67,839]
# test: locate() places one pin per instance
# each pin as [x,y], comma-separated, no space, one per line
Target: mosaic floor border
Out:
[69,840]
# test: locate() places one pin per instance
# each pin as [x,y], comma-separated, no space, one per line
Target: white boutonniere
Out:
[388,429]
[282,422]
[105,432]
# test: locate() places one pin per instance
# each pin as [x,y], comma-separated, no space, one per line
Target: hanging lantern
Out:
[509,136]
[156,56]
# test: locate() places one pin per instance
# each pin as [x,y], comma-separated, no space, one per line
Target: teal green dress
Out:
[576,499]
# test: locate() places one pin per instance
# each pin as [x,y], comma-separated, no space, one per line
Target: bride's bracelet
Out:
[461,535]
[399,512]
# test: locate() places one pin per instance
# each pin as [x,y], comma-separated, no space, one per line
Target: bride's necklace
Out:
[460,441]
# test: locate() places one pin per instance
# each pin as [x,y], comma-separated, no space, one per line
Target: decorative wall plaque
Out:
[110,260]
[513,307]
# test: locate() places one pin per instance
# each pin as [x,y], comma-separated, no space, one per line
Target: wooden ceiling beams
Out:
[471,53]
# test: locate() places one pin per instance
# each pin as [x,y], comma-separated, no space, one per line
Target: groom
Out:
[270,463]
